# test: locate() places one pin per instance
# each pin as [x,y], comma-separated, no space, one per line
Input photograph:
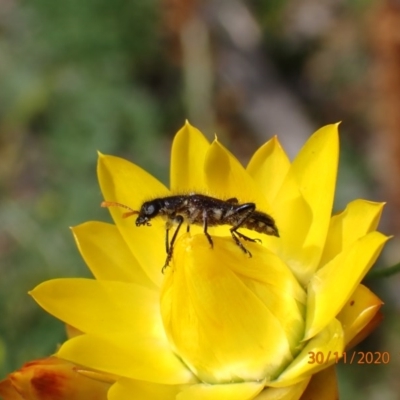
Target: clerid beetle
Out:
[198,209]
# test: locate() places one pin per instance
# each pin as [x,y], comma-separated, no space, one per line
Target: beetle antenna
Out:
[115,204]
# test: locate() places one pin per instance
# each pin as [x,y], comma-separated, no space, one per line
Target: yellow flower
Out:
[219,324]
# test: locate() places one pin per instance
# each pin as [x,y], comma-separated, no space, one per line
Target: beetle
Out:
[199,209]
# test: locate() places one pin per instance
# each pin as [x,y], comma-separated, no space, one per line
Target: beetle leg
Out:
[247,238]
[246,210]
[205,226]
[168,226]
[179,220]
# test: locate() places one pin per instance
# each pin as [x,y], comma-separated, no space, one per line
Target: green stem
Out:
[383,272]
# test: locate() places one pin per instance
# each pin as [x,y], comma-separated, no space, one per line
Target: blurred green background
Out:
[121,77]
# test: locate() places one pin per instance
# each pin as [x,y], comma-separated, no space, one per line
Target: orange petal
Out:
[53,378]
[8,391]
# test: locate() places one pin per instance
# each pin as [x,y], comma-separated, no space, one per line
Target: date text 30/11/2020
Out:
[353,357]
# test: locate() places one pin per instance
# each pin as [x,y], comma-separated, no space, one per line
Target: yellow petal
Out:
[233,391]
[321,351]
[188,153]
[274,284]
[71,331]
[293,218]
[292,392]
[226,178]
[147,244]
[126,183]
[268,167]
[366,331]
[338,279]
[323,385]
[359,218]
[126,388]
[207,298]
[123,181]
[358,311]
[124,322]
[315,168]
[146,359]
[113,310]
[107,255]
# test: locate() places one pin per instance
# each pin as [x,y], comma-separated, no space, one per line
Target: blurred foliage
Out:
[74,77]
[321,50]
[80,76]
